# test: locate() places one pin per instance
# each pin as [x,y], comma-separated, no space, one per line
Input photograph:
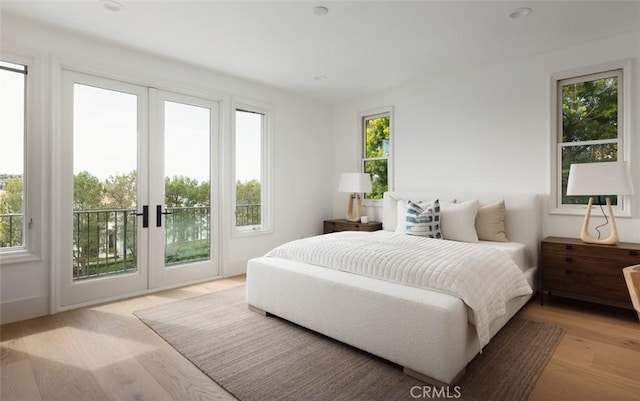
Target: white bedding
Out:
[485,278]
[519,252]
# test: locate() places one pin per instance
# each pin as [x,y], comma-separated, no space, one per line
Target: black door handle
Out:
[159,214]
[145,216]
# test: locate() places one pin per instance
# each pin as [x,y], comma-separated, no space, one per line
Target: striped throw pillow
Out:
[423,219]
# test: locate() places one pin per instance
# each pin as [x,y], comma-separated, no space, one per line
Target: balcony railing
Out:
[11,227]
[248,215]
[104,241]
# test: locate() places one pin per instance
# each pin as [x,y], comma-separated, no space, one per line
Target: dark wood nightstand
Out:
[590,272]
[332,226]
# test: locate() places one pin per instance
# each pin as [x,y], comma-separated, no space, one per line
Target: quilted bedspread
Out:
[484,278]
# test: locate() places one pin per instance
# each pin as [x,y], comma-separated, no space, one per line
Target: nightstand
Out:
[590,272]
[332,226]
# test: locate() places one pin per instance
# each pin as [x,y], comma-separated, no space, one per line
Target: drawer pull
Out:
[568,247]
[568,271]
[633,253]
[568,260]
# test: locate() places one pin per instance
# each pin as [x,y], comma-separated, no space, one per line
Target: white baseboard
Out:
[25,308]
[235,268]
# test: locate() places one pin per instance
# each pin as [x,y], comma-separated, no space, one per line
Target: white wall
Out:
[486,129]
[301,149]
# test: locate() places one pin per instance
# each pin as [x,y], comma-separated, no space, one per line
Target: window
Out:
[13,81]
[376,150]
[589,116]
[251,195]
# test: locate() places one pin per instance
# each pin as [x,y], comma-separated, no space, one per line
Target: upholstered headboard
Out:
[522,218]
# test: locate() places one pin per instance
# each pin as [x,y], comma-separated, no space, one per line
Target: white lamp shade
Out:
[355,182]
[607,178]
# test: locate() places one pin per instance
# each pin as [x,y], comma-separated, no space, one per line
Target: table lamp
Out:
[356,184]
[605,178]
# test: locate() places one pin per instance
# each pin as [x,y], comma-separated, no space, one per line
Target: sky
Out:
[11,122]
[105,134]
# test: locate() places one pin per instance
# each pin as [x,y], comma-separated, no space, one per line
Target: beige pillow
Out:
[490,222]
[457,221]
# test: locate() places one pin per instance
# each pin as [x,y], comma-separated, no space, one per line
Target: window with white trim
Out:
[589,110]
[376,150]
[251,195]
[13,220]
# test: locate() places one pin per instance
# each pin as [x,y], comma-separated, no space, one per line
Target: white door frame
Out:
[82,292]
[159,275]
[151,275]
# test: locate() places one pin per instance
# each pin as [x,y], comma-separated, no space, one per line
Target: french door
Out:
[138,189]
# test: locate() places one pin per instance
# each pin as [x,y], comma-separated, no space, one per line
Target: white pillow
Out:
[458,221]
[490,222]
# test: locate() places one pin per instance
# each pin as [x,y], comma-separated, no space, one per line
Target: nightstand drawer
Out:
[614,256]
[332,226]
[596,265]
[590,284]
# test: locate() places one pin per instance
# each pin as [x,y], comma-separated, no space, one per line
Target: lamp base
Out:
[586,237]
[354,215]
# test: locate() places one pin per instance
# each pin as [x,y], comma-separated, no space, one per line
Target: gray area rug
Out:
[258,358]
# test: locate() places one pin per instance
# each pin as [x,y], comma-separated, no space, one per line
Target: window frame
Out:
[266,195]
[32,181]
[362,118]
[623,209]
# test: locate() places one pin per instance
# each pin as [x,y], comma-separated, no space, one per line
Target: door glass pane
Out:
[187,183]
[249,126]
[12,134]
[105,143]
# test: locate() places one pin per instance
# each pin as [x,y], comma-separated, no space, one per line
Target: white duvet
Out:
[484,278]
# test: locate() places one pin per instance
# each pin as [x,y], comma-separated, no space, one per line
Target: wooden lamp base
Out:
[354,215]
[586,237]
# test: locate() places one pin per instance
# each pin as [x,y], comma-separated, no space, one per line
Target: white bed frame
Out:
[426,332]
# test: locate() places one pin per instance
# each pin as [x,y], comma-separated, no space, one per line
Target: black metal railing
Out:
[104,241]
[248,215]
[11,230]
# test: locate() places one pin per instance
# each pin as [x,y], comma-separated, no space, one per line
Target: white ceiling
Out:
[359,46]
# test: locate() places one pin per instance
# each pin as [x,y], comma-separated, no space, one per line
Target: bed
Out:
[432,333]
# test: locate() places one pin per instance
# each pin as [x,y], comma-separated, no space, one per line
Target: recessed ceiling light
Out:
[520,12]
[320,10]
[112,5]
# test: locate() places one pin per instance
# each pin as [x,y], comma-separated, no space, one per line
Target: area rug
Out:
[258,358]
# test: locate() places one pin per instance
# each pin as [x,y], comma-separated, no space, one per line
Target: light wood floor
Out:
[105,353]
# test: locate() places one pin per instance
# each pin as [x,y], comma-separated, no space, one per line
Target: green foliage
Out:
[11,225]
[87,192]
[377,148]
[180,252]
[248,200]
[248,192]
[183,191]
[120,191]
[589,112]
